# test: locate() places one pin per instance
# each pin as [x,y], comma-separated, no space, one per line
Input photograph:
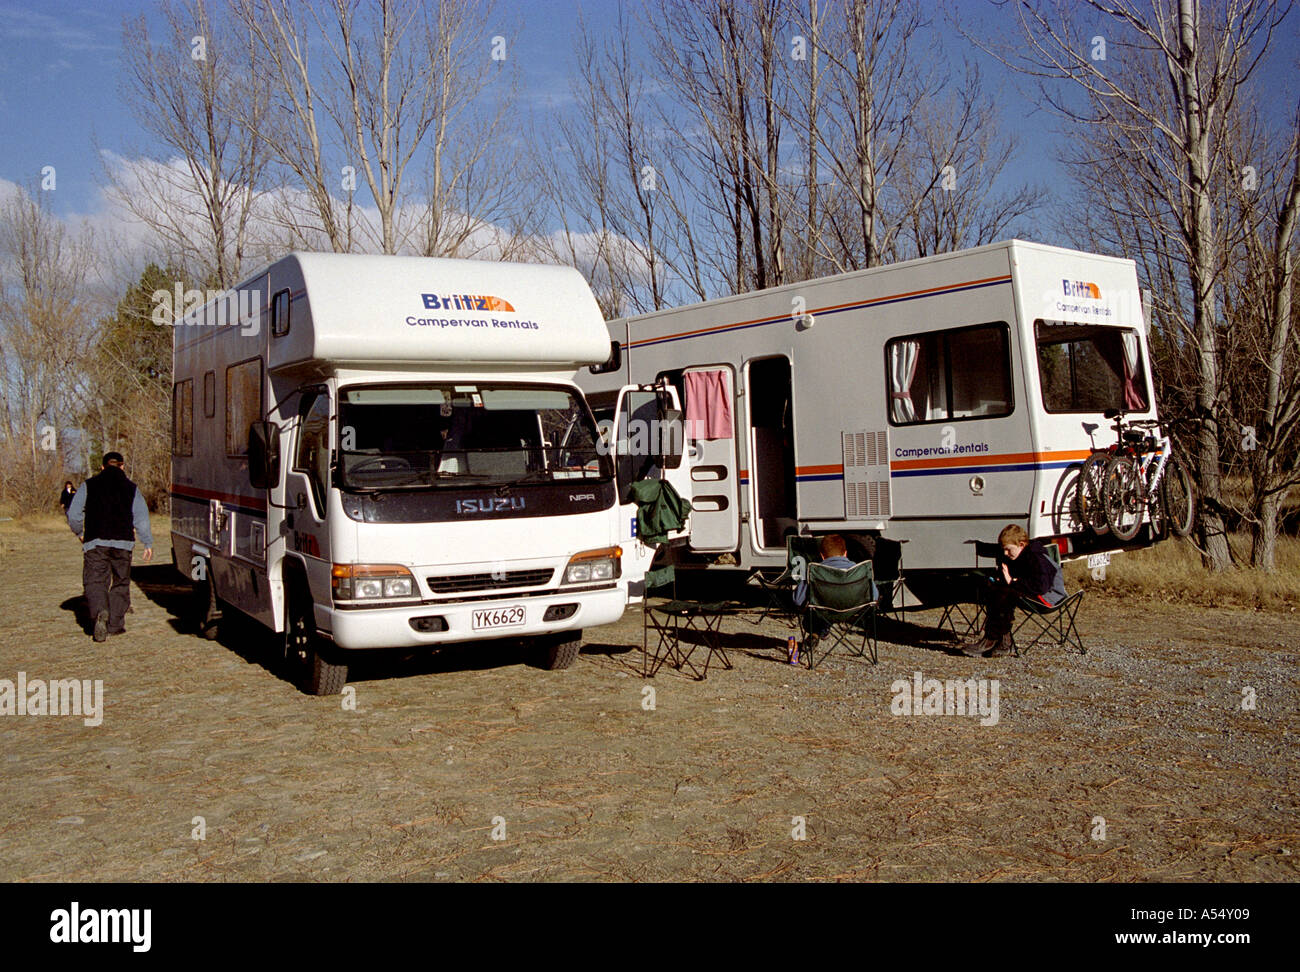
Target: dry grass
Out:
[1172,571]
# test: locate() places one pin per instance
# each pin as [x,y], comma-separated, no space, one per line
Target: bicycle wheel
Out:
[1122,497]
[1067,514]
[1156,513]
[1092,510]
[1179,499]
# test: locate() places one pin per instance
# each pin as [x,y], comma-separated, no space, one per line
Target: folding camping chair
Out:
[1050,623]
[967,603]
[674,617]
[841,599]
[778,592]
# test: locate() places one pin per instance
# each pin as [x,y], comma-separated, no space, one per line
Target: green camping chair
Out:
[842,601]
[674,617]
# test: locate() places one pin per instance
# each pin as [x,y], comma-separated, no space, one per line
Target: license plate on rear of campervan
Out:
[1098,560]
[505,617]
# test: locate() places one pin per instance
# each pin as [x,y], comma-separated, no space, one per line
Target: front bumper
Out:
[390,627]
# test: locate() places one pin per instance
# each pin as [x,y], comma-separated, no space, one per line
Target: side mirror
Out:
[672,440]
[612,363]
[263,455]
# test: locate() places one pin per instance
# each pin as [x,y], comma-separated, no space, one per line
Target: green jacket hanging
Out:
[659,510]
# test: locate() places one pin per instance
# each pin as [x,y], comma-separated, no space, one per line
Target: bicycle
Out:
[1142,475]
[1089,507]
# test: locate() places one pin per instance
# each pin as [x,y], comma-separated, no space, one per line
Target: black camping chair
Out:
[673,616]
[778,592]
[1049,623]
[963,614]
[842,602]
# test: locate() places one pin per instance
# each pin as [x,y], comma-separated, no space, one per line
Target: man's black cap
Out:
[113,457]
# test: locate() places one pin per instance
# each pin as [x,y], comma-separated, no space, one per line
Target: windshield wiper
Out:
[536,476]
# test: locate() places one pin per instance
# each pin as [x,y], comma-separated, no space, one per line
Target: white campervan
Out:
[929,402]
[374,451]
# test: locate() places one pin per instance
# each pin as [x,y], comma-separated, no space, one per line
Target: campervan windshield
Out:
[1089,367]
[464,434]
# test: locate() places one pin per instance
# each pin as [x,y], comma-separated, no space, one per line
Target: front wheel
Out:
[1179,499]
[1122,497]
[559,651]
[311,661]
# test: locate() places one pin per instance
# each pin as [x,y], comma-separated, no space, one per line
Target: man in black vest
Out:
[106,514]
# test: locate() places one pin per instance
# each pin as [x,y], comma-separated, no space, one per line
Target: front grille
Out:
[464,583]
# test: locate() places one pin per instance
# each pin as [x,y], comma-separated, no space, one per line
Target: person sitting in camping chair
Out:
[834,553]
[1024,570]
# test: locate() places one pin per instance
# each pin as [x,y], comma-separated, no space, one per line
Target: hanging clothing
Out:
[659,510]
[708,405]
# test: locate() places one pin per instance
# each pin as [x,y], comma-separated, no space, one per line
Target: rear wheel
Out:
[1179,500]
[1122,497]
[207,609]
[312,662]
[559,651]
[1092,510]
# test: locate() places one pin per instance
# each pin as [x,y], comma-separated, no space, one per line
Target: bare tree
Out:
[1159,100]
[44,333]
[198,93]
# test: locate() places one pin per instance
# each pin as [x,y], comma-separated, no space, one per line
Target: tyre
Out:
[559,651]
[1067,511]
[1179,499]
[207,610]
[1092,509]
[1122,497]
[1157,516]
[311,662]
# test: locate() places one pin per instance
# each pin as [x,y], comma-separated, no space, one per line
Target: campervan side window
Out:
[183,418]
[210,394]
[243,404]
[946,376]
[1089,367]
[313,455]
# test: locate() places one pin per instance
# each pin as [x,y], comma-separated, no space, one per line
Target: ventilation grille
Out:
[464,583]
[866,475]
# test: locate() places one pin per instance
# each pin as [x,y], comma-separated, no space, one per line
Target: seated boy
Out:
[834,553]
[1024,570]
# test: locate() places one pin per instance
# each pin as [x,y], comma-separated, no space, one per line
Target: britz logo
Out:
[1081,288]
[493,505]
[469,302]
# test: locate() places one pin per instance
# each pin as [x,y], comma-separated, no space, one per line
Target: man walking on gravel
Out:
[106,514]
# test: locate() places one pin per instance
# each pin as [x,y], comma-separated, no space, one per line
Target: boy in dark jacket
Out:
[1024,570]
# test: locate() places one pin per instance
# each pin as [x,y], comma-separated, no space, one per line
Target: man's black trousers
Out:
[106,578]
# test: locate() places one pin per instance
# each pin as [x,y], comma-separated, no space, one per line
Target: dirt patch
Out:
[1147,732]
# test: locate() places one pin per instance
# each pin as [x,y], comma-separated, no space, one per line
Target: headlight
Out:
[594,566]
[355,582]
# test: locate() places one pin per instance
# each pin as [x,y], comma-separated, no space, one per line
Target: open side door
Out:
[649,443]
[711,439]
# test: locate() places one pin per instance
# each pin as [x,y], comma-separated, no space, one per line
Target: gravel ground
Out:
[1141,760]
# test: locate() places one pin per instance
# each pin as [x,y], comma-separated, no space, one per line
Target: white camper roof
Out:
[361,310]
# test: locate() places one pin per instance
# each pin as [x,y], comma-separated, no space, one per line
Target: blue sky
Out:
[60,78]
